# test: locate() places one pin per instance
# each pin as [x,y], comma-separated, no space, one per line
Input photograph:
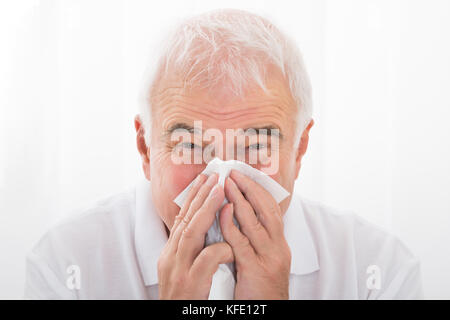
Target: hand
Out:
[262,255]
[185,267]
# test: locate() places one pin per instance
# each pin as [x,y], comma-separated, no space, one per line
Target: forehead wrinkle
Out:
[201,114]
[161,91]
[171,88]
[164,92]
[160,95]
[235,114]
[180,100]
[175,103]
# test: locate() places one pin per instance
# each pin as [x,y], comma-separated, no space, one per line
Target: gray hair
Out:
[232,48]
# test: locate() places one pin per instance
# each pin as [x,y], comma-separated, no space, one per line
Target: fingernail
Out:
[212,178]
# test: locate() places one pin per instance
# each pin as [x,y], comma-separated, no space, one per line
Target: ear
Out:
[143,150]
[301,148]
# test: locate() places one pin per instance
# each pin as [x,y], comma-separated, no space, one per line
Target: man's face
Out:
[174,107]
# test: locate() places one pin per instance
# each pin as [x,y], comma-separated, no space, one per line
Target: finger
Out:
[193,237]
[249,223]
[200,198]
[242,249]
[198,182]
[207,262]
[265,206]
[196,202]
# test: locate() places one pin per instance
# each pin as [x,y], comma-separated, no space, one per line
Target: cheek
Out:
[281,168]
[181,176]
[172,179]
[286,177]
[287,170]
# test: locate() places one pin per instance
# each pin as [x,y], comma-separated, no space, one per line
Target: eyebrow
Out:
[269,130]
[180,126]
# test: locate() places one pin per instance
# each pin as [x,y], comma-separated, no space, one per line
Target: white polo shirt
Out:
[110,251]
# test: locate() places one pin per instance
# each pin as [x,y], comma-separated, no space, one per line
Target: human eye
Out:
[189,145]
[257,146]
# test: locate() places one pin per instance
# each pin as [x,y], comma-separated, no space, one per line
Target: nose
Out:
[228,150]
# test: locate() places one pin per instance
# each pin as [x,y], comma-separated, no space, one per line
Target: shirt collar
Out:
[298,236]
[151,237]
[150,234]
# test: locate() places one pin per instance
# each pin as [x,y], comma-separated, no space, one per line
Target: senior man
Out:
[226,69]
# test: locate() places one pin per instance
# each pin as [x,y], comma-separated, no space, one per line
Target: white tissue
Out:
[224,279]
[223,168]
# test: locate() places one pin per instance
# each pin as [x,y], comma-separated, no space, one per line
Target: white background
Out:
[70,73]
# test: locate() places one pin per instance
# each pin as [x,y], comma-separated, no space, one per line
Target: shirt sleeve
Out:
[406,283]
[42,283]
[399,269]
